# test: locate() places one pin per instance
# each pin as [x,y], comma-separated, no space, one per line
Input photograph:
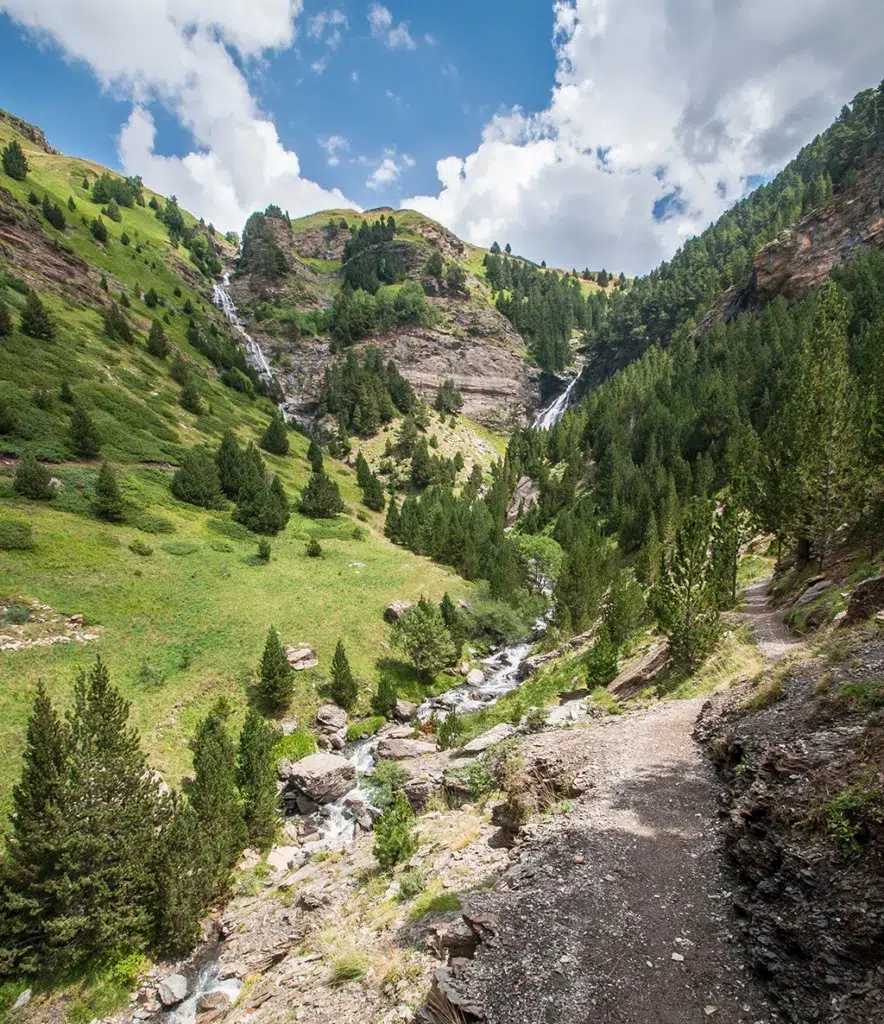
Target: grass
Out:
[734,660]
[433,900]
[296,745]
[770,685]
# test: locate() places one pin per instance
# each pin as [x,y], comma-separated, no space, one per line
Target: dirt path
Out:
[619,911]
[773,636]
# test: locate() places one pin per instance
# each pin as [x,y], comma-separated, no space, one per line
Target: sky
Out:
[584,132]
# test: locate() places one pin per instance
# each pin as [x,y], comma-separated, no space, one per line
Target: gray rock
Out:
[400,750]
[172,990]
[395,609]
[331,717]
[301,656]
[22,1000]
[476,677]
[218,1000]
[866,599]
[487,739]
[323,777]
[813,592]
[405,711]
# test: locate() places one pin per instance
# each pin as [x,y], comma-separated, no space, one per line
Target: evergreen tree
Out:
[625,608]
[422,634]
[214,797]
[395,840]
[107,500]
[276,685]
[256,778]
[157,342]
[583,580]
[32,479]
[686,598]
[391,524]
[454,622]
[35,319]
[189,397]
[321,498]
[5,320]
[601,662]
[15,163]
[314,455]
[728,535]
[116,326]
[363,471]
[230,463]
[276,438]
[373,494]
[343,686]
[83,433]
[384,700]
[197,481]
[65,394]
[435,265]
[99,230]
[279,504]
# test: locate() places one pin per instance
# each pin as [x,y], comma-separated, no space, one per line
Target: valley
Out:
[394,630]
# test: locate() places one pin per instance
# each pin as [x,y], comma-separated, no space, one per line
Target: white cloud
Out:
[389,170]
[328,25]
[319,65]
[333,145]
[182,56]
[430,40]
[449,70]
[650,97]
[395,37]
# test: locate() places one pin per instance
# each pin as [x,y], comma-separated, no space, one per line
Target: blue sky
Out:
[584,132]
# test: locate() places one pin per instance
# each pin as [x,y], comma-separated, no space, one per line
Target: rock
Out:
[481,743]
[323,777]
[301,656]
[565,714]
[172,990]
[395,609]
[464,668]
[813,592]
[305,805]
[526,494]
[22,1000]
[405,711]
[282,857]
[284,769]
[476,677]
[330,716]
[419,791]
[76,620]
[209,1001]
[453,939]
[400,750]
[635,677]
[866,600]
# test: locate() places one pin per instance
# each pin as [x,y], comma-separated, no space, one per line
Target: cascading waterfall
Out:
[551,415]
[254,353]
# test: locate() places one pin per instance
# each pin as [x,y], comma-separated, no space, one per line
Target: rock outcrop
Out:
[322,778]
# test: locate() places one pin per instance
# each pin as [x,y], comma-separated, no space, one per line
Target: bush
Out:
[395,840]
[448,730]
[411,884]
[139,547]
[296,745]
[367,727]
[99,231]
[15,163]
[35,319]
[264,549]
[16,615]
[32,479]
[9,420]
[386,781]
[16,535]
[313,548]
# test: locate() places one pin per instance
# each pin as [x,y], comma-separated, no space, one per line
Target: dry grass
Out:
[770,686]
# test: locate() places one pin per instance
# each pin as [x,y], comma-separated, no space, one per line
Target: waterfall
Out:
[254,353]
[551,415]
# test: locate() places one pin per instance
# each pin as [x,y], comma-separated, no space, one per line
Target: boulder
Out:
[476,677]
[395,610]
[401,750]
[210,1001]
[301,656]
[323,777]
[172,990]
[565,714]
[636,676]
[22,1000]
[866,600]
[405,711]
[282,857]
[813,592]
[481,743]
[464,668]
[331,717]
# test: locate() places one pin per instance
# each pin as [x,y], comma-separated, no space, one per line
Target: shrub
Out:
[448,730]
[15,163]
[99,231]
[32,479]
[17,615]
[16,535]
[264,549]
[296,745]
[8,419]
[107,500]
[411,884]
[386,781]
[35,319]
[367,727]
[395,840]
[139,547]
[84,436]
[434,902]
[189,398]
[313,548]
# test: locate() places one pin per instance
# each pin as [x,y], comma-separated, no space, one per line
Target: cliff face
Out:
[802,256]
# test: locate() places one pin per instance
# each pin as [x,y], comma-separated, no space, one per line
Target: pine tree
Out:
[256,778]
[29,865]
[455,623]
[686,598]
[276,438]
[99,230]
[276,685]
[189,398]
[279,505]
[230,462]
[5,320]
[83,433]
[728,535]
[321,498]
[422,634]
[343,686]
[214,796]
[15,163]
[314,455]
[601,662]
[65,394]
[157,342]
[391,524]
[107,500]
[625,607]
[383,702]
[373,494]
[32,480]
[35,319]
[363,471]
[197,481]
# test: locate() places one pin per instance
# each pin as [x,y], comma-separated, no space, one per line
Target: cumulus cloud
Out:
[333,145]
[182,56]
[389,170]
[651,99]
[328,25]
[395,37]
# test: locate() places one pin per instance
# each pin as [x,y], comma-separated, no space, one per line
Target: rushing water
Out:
[254,353]
[205,982]
[551,415]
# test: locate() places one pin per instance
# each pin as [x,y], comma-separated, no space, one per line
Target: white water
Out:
[206,982]
[254,353]
[551,415]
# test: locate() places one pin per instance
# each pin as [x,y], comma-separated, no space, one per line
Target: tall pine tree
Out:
[256,778]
